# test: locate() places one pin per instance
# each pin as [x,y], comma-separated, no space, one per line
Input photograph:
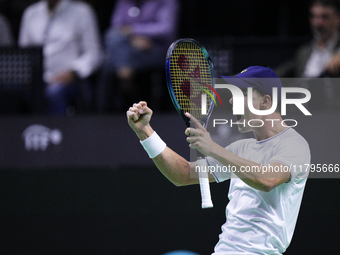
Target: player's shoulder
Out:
[292,135]
[294,141]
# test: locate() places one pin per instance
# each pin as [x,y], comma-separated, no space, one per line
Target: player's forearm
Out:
[256,178]
[144,132]
[174,167]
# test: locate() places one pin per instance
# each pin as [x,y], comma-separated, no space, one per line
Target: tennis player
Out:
[265,192]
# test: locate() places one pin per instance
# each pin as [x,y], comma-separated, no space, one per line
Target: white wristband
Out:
[153,145]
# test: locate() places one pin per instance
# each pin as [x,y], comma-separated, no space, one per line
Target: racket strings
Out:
[190,74]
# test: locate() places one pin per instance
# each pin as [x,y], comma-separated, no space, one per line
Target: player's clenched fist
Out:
[139,116]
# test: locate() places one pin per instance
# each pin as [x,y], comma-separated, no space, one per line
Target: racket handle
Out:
[204,183]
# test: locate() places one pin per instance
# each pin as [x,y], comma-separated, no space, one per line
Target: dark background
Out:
[48,206]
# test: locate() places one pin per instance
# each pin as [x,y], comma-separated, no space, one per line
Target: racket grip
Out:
[204,183]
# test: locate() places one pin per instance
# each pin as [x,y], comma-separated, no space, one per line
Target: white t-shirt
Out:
[263,222]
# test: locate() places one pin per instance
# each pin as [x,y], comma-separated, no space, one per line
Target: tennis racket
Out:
[190,77]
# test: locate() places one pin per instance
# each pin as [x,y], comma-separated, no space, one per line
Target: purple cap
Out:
[256,77]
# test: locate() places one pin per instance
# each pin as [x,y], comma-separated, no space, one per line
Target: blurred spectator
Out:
[140,33]
[321,56]
[6,36]
[68,33]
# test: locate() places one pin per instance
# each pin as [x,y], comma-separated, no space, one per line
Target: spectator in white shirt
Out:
[68,33]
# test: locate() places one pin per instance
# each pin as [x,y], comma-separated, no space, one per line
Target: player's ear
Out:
[266,102]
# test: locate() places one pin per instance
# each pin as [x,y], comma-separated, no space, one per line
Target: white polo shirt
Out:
[263,222]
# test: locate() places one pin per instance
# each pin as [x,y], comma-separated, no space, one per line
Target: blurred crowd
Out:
[90,68]
[101,69]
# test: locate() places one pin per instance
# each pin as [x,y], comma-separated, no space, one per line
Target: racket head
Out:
[189,74]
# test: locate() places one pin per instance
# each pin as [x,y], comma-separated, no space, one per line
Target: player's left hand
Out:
[199,138]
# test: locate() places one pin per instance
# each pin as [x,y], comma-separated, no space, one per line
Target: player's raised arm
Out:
[260,180]
[173,166]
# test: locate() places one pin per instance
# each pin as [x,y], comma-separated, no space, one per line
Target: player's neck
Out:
[272,125]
